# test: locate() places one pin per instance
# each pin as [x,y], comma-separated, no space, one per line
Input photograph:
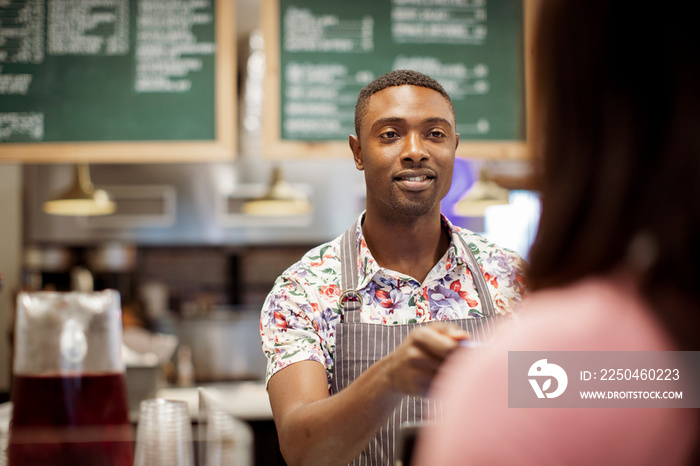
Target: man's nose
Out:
[415,149]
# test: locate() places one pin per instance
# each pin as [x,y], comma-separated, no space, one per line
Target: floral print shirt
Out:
[300,314]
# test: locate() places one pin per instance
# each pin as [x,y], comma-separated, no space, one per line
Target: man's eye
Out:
[436,134]
[389,135]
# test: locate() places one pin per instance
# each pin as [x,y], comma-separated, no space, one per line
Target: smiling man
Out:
[347,330]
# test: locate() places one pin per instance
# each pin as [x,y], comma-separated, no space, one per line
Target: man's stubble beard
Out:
[402,207]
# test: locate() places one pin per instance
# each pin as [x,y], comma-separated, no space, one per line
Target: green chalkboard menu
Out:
[114,76]
[324,52]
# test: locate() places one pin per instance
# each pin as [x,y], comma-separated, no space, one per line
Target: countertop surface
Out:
[246,401]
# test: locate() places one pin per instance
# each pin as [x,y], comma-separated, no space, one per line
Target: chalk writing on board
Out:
[106,70]
[330,50]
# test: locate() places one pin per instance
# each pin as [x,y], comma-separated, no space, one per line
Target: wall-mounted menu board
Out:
[321,53]
[117,80]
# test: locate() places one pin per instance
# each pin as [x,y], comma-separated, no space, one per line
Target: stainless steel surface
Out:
[225,345]
[198,203]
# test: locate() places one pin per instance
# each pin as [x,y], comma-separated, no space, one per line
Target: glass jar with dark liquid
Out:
[69,401]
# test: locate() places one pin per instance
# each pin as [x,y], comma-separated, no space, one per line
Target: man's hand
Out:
[413,365]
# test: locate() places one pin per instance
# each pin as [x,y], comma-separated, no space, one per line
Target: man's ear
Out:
[356,151]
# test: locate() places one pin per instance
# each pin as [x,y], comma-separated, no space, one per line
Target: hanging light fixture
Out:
[281,199]
[482,194]
[81,199]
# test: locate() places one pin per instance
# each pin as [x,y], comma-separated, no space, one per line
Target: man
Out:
[336,394]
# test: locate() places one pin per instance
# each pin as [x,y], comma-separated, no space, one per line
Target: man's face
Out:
[406,148]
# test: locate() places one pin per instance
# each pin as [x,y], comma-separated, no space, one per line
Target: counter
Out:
[246,401]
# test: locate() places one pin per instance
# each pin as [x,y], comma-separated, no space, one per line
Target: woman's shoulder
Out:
[600,313]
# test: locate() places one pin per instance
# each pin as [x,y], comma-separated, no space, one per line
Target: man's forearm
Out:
[335,429]
[317,429]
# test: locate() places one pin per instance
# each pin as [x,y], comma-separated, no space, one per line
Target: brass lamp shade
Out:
[280,200]
[81,199]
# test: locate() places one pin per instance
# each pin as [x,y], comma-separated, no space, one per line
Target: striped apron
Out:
[359,345]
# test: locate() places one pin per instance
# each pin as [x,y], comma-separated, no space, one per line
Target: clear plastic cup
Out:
[164,434]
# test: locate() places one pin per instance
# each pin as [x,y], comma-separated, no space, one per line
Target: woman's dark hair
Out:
[618,143]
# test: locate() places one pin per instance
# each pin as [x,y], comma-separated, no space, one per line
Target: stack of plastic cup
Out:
[227,441]
[164,434]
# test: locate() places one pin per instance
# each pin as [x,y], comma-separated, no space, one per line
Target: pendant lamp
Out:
[81,199]
[281,199]
[483,193]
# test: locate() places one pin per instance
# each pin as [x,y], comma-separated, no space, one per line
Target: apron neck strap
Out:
[487,307]
[350,299]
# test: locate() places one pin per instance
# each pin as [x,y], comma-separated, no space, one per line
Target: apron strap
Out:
[487,306]
[351,299]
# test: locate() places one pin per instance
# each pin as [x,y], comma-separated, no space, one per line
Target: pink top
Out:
[595,314]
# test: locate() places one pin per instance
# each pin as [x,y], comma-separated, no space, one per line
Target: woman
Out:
[615,265]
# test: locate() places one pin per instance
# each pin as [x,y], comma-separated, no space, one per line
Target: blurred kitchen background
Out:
[185,256]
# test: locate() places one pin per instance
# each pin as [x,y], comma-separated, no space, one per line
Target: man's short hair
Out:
[395,78]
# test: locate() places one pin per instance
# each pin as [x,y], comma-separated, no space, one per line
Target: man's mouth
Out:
[412,182]
[413,178]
